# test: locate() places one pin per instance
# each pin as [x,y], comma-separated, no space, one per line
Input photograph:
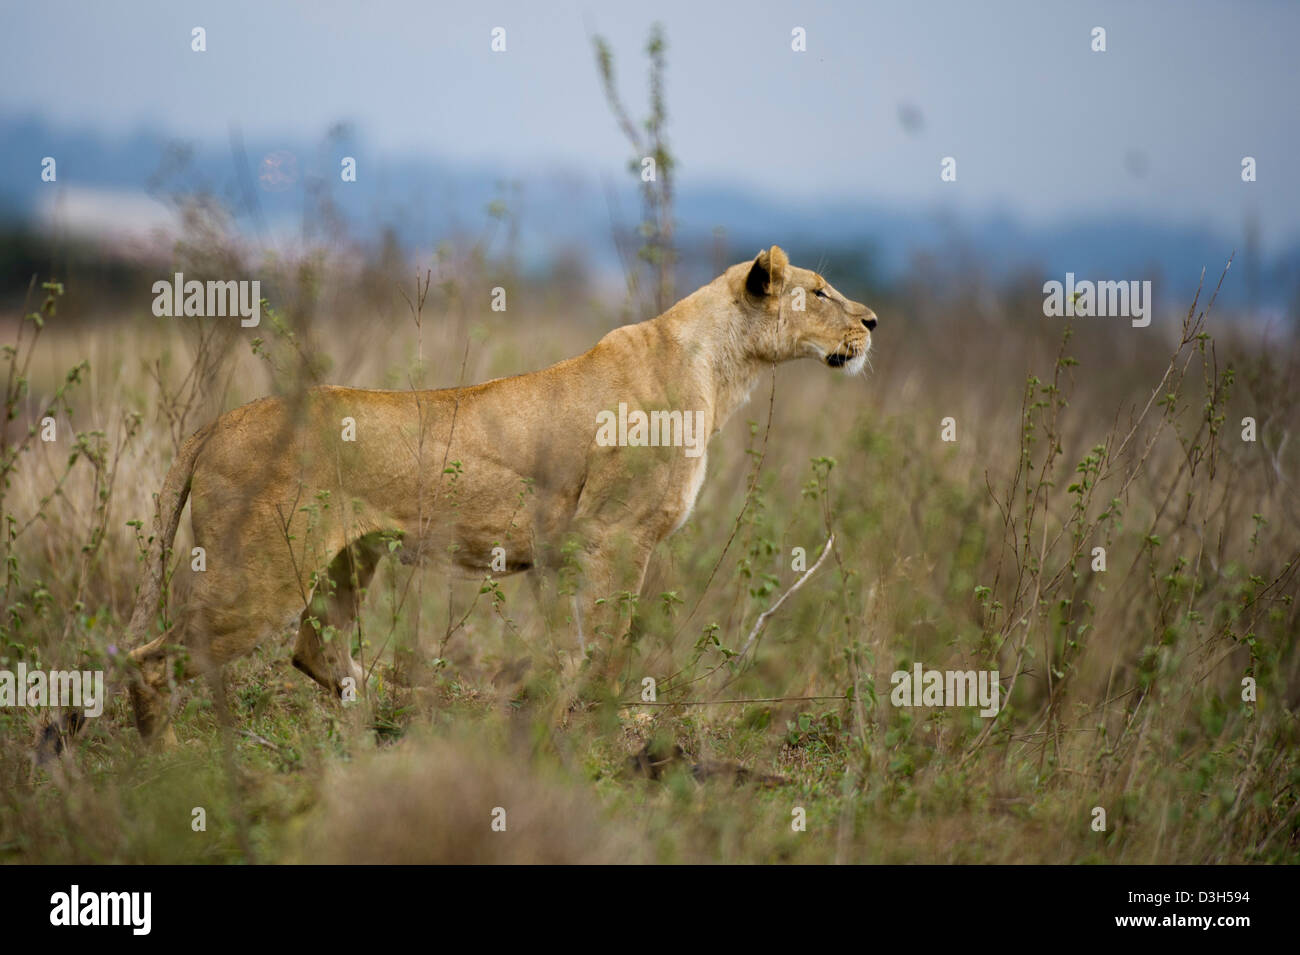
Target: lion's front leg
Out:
[610,573]
[606,585]
[629,503]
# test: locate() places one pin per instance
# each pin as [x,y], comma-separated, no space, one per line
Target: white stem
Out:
[761,622]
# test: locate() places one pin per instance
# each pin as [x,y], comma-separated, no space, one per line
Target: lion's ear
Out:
[768,274]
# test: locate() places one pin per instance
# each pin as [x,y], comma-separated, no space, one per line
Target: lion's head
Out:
[798,314]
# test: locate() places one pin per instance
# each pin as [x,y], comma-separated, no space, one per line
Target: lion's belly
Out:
[494,523]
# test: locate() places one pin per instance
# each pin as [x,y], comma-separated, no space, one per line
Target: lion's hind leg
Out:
[228,614]
[323,649]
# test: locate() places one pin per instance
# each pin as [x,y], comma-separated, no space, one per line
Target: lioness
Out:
[295,500]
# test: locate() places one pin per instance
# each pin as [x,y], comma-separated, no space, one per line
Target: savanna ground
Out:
[1122,689]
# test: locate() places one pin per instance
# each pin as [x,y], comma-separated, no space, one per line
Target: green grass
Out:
[967,555]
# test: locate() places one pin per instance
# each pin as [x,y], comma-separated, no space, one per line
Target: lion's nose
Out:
[870,322]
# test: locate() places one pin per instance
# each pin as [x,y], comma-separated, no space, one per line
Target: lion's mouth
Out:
[844,355]
[852,358]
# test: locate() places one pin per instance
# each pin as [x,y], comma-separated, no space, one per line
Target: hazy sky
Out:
[1040,125]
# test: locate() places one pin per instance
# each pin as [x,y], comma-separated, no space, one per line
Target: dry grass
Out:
[973,554]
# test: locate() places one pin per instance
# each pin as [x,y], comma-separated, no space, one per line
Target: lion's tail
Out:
[54,736]
[167,518]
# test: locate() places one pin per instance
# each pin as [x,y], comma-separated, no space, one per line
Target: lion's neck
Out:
[709,327]
[734,375]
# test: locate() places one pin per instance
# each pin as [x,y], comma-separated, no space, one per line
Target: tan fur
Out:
[281,504]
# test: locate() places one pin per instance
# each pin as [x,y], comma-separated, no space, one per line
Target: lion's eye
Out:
[821,293]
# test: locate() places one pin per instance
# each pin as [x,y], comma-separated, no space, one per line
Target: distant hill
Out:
[561,212]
